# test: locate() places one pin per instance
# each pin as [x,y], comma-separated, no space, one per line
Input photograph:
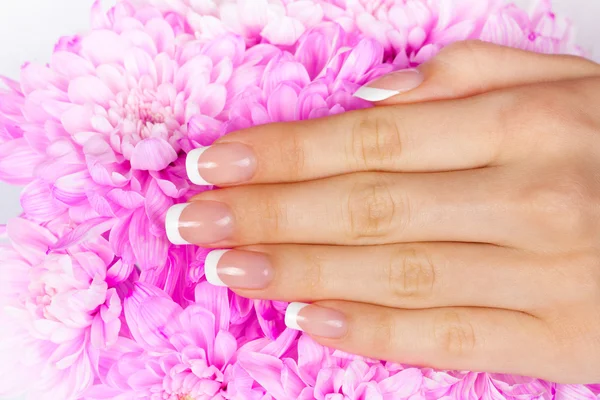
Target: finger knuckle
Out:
[565,202]
[384,334]
[293,154]
[582,278]
[454,335]
[541,119]
[272,215]
[411,274]
[314,279]
[375,140]
[371,209]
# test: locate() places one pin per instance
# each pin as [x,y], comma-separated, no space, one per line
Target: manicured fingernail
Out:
[221,164]
[315,320]
[199,222]
[390,85]
[238,269]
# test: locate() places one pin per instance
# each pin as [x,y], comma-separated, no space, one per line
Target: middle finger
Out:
[358,209]
[415,275]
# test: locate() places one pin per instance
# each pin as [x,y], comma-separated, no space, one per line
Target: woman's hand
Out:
[455,226]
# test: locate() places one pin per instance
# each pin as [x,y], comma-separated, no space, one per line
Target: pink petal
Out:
[229,46]
[71,189]
[92,264]
[306,11]
[211,100]
[152,154]
[37,202]
[71,65]
[225,348]
[97,334]
[111,310]
[282,103]
[574,392]
[119,240]
[77,119]
[37,76]
[204,130]
[118,273]
[456,33]
[152,316]
[366,55]
[316,47]
[113,76]
[18,162]
[162,35]
[103,47]
[90,90]
[266,371]
[143,379]
[283,31]
[310,358]
[126,198]
[214,299]
[139,63]
[29,239]
[156,205]
[402,384]
[368,391]
[150,251]
[138,39]
[280,71]
[91,228]
[426,53]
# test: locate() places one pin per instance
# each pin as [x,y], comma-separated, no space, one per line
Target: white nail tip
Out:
[172,224]
[291,315]
[210,267]
[191,166]
[374,94]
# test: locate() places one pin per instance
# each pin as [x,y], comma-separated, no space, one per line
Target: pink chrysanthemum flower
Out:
[59,309]
[177,354]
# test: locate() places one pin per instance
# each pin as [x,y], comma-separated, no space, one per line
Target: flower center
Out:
[136,109]
[141,115]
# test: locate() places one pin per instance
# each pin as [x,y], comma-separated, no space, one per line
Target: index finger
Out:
[424,137]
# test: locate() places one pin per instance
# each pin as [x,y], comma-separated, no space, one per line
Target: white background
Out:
[29,29]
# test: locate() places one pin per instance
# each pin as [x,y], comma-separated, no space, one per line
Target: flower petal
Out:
[151,316]
[89,90]
[152,154]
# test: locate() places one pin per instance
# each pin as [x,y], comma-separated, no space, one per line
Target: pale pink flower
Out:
[58,310]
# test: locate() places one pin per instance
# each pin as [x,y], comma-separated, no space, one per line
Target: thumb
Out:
[469,68]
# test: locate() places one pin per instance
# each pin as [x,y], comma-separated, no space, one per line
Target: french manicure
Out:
[316,320]
[238,269]
[390,85]
[199,222]
[221,164]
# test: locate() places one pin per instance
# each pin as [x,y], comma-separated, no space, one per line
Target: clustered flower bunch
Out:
[95,303]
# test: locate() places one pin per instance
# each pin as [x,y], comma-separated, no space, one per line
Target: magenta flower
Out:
[178,354]
[323,374]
